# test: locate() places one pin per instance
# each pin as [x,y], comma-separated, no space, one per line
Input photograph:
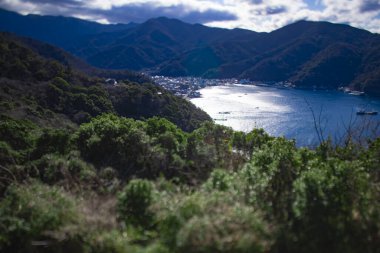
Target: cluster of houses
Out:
[188,87]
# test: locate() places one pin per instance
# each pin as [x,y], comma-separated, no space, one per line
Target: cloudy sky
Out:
[257,15]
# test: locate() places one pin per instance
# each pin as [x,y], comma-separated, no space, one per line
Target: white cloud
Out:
[258,15]
[339,11]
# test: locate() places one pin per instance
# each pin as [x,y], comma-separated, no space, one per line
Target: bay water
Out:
[304,115]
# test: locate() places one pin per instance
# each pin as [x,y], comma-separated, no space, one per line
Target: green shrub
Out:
[124,144]
[134,202]
[109,179]
[268,178]
[17,133]
[201,156]
[248,142]
[112,141]
[173,211]
[8,155]
[52,141]
[210,222]
[61,83]
[69,169]
[157,127]
[155,248]
[334,201]
[33,212]
[110,242]
[229,229]
[371,158]
[219,180]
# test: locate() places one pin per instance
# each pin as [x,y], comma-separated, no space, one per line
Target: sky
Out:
[257,15]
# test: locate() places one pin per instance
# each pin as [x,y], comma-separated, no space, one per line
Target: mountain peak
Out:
[298,52]
[165,22]
[322,25]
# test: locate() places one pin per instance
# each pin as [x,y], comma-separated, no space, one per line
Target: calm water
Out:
[288,112]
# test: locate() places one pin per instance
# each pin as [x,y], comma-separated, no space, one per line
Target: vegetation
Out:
[86,167]
[53,93]
[211,190]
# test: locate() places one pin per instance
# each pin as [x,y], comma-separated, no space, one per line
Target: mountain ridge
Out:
[302,52]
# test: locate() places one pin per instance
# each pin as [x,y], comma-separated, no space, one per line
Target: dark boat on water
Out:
[363,112]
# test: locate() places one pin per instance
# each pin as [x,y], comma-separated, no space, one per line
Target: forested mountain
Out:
[40,88]
[61,31]
[309,54]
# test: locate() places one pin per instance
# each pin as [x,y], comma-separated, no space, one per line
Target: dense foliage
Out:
[211,190]
[42,89]
[89,167]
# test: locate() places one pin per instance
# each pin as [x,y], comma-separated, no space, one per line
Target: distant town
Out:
[187,87]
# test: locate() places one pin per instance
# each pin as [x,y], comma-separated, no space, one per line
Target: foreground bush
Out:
[32,214]
[334,201]
[69,170]
[134,202]
[229,229]
[212,190]
[210,222]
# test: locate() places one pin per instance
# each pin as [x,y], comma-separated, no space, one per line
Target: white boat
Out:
[356,93]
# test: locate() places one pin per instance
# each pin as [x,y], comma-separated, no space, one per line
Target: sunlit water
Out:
[289,112]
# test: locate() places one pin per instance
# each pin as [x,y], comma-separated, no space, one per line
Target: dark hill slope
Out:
[318,54]
[61,31]
[50,93]
[158,41]
[54,53]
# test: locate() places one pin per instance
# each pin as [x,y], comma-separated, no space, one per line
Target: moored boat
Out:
[356,93]
[363,112]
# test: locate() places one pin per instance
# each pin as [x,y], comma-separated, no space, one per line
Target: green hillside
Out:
[90,167]
[45,90]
